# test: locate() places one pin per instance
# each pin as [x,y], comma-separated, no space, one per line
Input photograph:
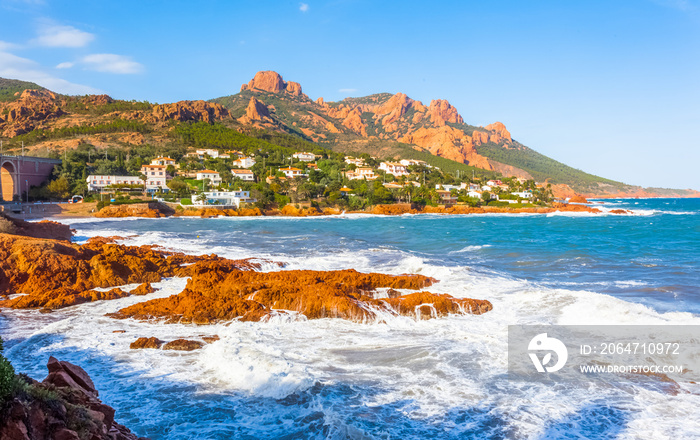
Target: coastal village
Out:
[226,179]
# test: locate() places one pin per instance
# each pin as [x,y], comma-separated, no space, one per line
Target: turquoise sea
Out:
[399,378]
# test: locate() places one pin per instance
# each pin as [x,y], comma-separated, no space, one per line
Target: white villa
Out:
[291,172]
[163,161]
[209,152]
[409,162]
[354,161]
[213,176]
[361,173]
[527,194]
[225,198]
[98,182]
[244,162]
[304,157]
[246,175]
[394,168]
[156,176]
[448,187]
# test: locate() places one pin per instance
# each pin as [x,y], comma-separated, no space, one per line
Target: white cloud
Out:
[66,65]
[4,45]
[53,35]
[303,7]
[111,63]
[14,67]
[681,5]
[347,90]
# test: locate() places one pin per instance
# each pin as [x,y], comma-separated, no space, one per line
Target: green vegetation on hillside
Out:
[118,125]
[203,135]
[77,104]
[8,88]
[542,167]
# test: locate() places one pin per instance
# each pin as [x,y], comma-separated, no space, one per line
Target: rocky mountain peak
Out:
[271,81]
[441,111]
[500,130]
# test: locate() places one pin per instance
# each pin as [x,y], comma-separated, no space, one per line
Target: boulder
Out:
[183,345]
[151,342]
[143,289]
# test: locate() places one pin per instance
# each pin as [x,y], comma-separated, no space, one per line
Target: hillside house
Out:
[165,161]
[304,157]
[225,198]
[394,168]
[213,176]
[246,175]
[361,173]
[99,182]
[156,177]
[291,172]
[244,162]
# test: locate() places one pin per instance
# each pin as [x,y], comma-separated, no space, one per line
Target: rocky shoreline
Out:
[64,406]
[158,210]
[50,274]
[41,269]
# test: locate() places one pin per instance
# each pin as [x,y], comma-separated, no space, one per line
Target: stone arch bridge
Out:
[19,173]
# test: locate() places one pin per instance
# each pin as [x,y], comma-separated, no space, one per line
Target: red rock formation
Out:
[441,111]
[42,229]
[56,274]
[294,88]
[578,199]
[220,292]
[189,111]
[256,110]
[183,345]
[500,133]
[428,305]
[148,210]
[143,289]
[31,109]
[97,100]
[72,408]
[151,342]
[272,82]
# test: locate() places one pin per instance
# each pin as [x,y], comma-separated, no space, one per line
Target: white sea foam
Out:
[423,370]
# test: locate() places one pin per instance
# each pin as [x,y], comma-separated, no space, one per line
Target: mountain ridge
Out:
[384,125]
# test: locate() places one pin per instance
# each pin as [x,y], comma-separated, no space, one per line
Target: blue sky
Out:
[609,87]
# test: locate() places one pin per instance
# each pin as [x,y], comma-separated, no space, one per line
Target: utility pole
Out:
[22,148]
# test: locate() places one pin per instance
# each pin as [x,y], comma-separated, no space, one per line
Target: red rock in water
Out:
[143,289]
[55,274]
[183,345]
[217,292]
[578,199]
[151,342]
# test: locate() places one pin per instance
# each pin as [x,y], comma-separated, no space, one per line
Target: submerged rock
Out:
[183,345]
[151,342]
